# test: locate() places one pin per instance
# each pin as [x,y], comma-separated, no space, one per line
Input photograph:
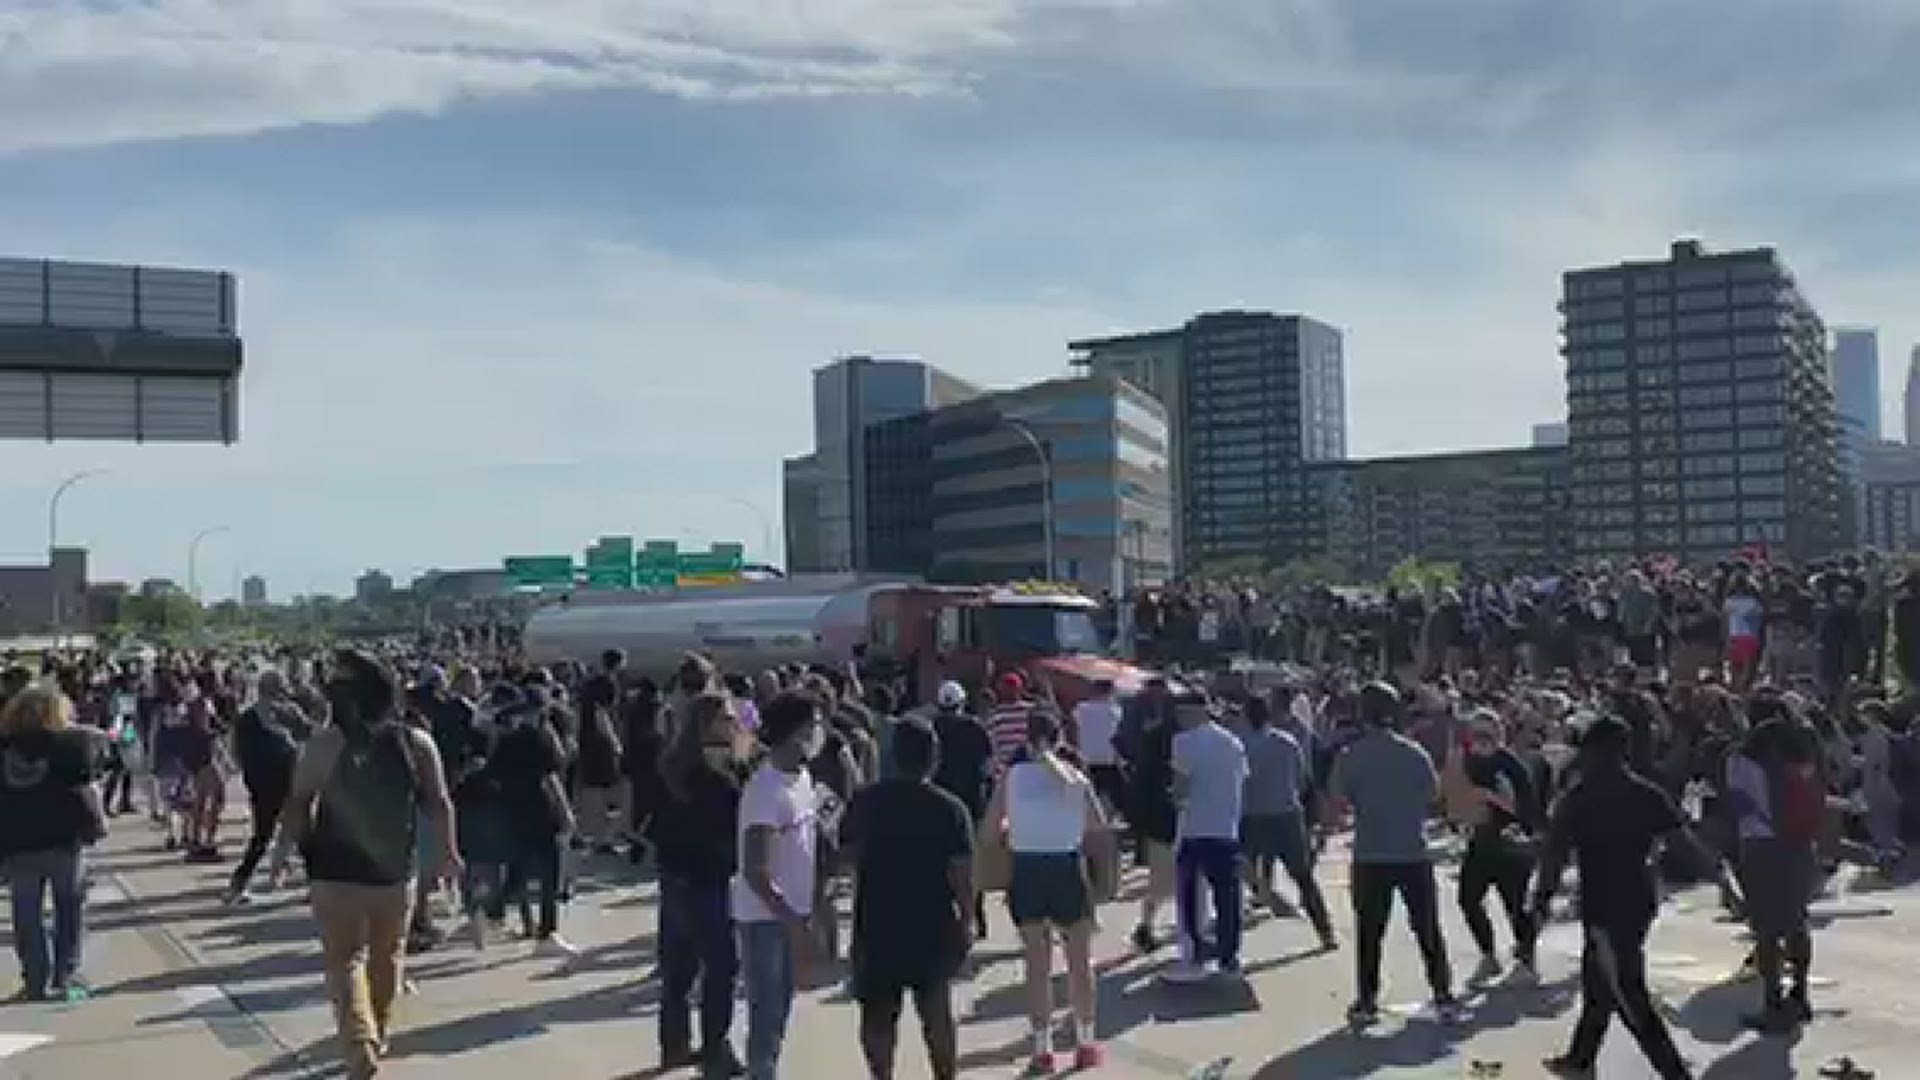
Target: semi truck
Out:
[927,633]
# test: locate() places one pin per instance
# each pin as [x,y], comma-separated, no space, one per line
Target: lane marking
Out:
[12,1043]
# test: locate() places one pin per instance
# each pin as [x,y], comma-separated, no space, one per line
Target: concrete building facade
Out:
[1701,412]
[966,498]
[1492,510]
[1890,497]
[35,599]
[1912,417]
[825,491]
[1253,398]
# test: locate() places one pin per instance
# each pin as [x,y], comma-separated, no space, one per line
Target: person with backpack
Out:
[267,748]
[1779,791]
[358,788]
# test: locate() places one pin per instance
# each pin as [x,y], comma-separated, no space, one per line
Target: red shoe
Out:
[1041,1065]
[1088,1056]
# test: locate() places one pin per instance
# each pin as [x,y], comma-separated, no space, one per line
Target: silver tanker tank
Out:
[749,627]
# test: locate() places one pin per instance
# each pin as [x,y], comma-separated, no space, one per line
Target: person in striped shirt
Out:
[1007,725]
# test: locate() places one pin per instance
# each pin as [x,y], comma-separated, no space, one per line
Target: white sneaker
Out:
[1186,972]
[555,946]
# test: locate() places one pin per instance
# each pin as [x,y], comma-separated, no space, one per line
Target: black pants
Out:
[267,800]
[534,859]
[1374,885]
[1506,870]
[696,945]
[1613,979]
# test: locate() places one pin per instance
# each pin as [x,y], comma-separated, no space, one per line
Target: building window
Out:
[1710,489]
[1707,440]
[1762,463]
[1769,390]
[1757,415]
[1706,349]
[1706,373]
[1658,444]
[1710,465]
[1762,438]
[1763,510]
[1706,395]
[1696,419]
[1657,352]
[1660,468]
[1763,485]
[1652,305]
[1653,376]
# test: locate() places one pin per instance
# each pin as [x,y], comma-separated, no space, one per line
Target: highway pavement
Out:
[187,988]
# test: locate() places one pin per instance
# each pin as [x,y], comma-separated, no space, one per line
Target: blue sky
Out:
[511,281]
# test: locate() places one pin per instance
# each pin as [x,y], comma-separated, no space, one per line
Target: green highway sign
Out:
[657,565]
[610,563]
[540,569]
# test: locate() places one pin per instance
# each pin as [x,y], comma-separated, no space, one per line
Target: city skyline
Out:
[528,282]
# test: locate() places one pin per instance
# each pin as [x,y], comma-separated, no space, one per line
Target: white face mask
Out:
[816,741]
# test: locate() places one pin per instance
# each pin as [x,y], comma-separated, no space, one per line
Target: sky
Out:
[517,276]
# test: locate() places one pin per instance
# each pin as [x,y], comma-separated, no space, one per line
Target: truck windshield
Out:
[1036,628]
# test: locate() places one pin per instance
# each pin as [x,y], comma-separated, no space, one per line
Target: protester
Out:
[1609,821]
[1273,825]
[1210,769]
[696,845]
[1390,783]
[913,910]
[351,812]
[1047,809]
[600,754]
[1499,854]
[52,812]
[1776,785]
[1096,723]
[528,767]
[267,748]
[773,895]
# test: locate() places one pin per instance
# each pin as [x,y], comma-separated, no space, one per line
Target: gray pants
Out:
[31,874]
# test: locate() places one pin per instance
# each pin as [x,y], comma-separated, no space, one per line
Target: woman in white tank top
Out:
[1045,807]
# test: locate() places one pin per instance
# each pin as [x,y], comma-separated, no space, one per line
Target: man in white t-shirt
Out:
[773,894]
[1095,722]
[1210,770]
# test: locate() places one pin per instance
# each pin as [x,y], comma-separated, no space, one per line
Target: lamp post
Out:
[193,558]
[766,526]
[53,539]
[1046,485]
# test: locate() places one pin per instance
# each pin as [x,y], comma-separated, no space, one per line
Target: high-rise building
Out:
[1890,497]
[826,490]
[1252,398]
[373,587]
[1856,383]
[253,591]
[1856,387]
[1913,398]
[960,493]
[1490,510]
[1701,414]
[1551,433]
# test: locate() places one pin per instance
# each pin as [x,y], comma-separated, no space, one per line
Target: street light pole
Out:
[53,539]
[766,527]
[1046,484]
[193,558]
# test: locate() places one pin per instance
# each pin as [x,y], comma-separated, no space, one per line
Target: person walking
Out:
[352,813]
[1047,811]
[1609,820]
[1390,784]
[600,754]
[964,768]
[52,809]
[528,768]
[695,840]
[1499,855]
[1096,722]
[1210,772]
[913,902]
[773,894]
[1777,787]
[267,748]
[1273,823]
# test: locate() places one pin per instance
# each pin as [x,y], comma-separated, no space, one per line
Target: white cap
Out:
[952,695]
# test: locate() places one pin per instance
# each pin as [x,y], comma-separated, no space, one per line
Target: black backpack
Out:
[365,817]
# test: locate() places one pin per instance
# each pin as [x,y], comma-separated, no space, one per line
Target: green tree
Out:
[1415,575]
[171,616]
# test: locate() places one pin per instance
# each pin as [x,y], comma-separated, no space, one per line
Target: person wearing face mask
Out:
[702,771]
[773,894]
[1498,855]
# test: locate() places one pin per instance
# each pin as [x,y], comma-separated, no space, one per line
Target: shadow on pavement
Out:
[279,965]
[1761,1059]
[1345,1052]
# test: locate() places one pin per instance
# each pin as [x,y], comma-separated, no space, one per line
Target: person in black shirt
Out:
[1499,849]
[267,746]
[913,902]
[965,768]
[52,813]
[600,752]
[527,768]
[1609,820]
[695,840]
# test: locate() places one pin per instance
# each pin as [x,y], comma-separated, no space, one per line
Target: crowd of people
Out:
[1639,723]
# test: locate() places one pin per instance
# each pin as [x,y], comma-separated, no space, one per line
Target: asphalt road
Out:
[189,989]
